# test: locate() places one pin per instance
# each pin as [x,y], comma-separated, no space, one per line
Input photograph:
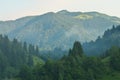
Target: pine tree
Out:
[77,49]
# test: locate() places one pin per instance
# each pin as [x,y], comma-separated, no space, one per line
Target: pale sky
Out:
[13,9]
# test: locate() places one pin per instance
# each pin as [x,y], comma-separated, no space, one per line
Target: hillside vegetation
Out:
[110,38]
[77,66]
[13,55]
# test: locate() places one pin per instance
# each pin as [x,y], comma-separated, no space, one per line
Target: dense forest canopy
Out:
[77,66]
[13,55]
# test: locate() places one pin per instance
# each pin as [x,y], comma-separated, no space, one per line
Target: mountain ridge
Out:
[50,30]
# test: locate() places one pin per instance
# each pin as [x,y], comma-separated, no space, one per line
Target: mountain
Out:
[110,38]
[51,30]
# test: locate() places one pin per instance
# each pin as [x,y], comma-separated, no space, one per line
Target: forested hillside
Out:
[110,38]
[13,55]
[77,66]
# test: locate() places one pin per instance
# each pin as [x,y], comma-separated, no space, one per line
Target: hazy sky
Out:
[12,9]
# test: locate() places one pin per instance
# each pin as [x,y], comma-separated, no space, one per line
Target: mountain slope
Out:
[8,26]
[110,38]
[50,30]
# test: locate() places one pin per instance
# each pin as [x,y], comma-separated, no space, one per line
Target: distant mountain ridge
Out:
[60,29]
